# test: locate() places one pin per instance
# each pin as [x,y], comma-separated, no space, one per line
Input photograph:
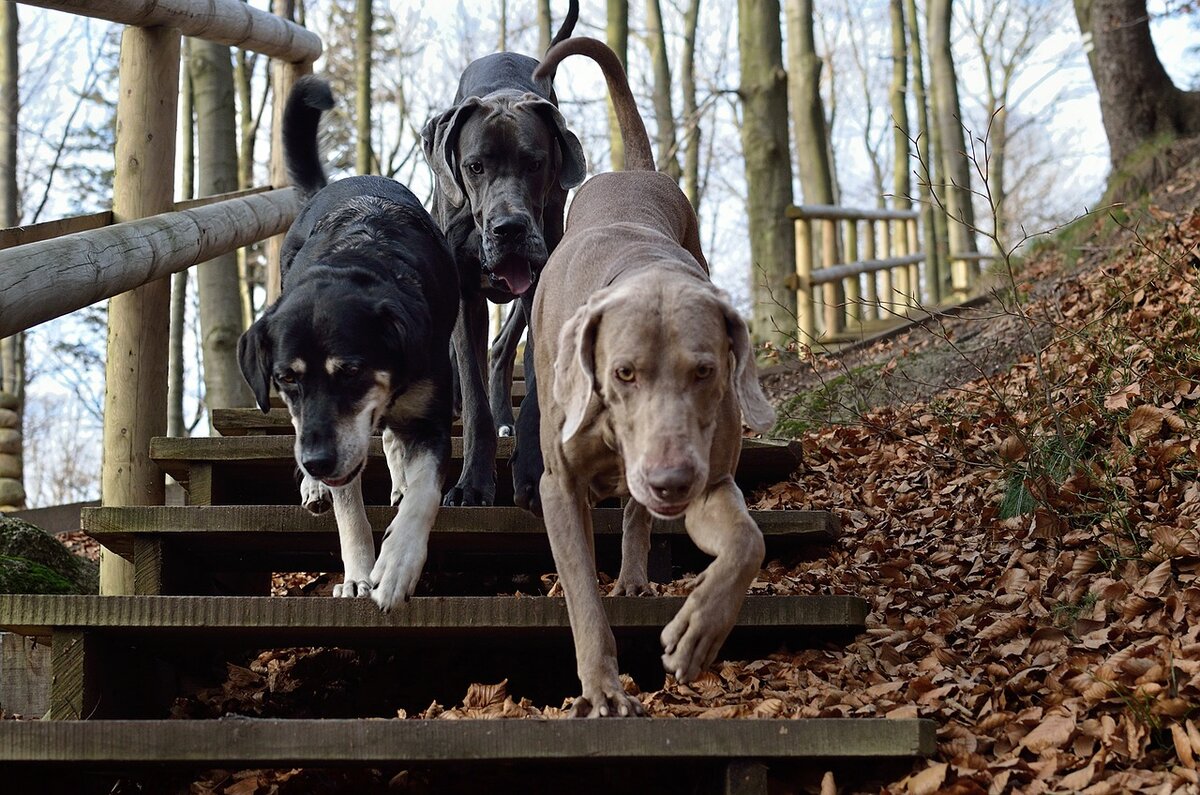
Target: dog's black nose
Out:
[319,464]
[511,228]
[670,484]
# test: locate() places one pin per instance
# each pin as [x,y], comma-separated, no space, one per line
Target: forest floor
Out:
[1020,503]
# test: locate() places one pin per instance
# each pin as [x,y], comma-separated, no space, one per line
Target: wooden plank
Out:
[331,621]
[148,553]
[47,230]
[71,674]
[275,528]
[252,422]
[24,676]
[204,201]
[829,212]
[42,281]
[229,22]
[829,275]
[269,743]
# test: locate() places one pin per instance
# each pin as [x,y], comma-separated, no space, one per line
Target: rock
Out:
[19,575]
[21,541]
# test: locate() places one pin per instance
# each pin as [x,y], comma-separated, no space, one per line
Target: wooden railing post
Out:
[852,288]
[900,277]
[873,310]
[832,292]
[887,298]
[135,398]
[805,315]
[914,270]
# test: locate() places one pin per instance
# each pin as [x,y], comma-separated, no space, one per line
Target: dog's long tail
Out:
[638,156]
[568,24]
[310,97]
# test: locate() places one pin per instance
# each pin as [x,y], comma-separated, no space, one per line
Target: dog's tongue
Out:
[514,274]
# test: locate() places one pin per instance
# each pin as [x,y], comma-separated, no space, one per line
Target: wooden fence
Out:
[859,271]
[58,267]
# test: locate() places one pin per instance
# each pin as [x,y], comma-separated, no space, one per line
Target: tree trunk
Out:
[618,40]
[956,164]
[767,156]
[997,188]
[364,20]
[543,22]
[503,43]
[12,349]
[187,156]
[691,114]
[217,280]
[1138,100]
[935,269]
[901,184]
[808,112]
[664,113]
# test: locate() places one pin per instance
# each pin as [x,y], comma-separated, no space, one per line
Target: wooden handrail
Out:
[829,275]
[222,21]
[48,279]
[829,212]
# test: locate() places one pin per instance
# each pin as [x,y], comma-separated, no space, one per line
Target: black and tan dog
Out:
[359,339]
[503,161]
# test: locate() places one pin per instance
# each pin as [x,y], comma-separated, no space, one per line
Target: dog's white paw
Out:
[631,586]
[315,496]
[396,574]
[504,431]
[606,700]
[352,589]
[693,638]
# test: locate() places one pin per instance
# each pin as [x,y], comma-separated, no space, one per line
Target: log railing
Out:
[863,269]
[54,268]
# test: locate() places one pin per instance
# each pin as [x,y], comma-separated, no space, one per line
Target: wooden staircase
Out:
[202,576]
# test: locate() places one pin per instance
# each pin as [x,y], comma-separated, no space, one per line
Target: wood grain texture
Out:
[97,264]
[311,742]
[275,527]
[332,619]
[223,21]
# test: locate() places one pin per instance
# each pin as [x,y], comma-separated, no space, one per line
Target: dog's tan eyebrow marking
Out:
[332,364]
[298,366]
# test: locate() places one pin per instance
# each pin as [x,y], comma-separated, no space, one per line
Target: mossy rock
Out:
[19,575]
[22,541]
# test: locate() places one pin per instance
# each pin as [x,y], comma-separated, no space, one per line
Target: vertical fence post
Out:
[914,270]
[853,289]
[135,397]
[805,316]
[832,291]
[886,296]
[872,309]
[900,276]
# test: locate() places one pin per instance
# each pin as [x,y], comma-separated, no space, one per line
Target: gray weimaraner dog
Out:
[646,372]
[503,161]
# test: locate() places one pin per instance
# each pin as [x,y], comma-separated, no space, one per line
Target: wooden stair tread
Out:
[252,422]
[330,620]
[272,742]
[282,527]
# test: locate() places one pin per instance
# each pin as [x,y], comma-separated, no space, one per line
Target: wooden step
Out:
[125,656]
[260,470]
[171,546]
[252,422]
[264,743]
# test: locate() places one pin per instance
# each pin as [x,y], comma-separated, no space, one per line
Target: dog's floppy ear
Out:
[406,325]
[572,169]
[439,140]
[756,411]
[257,362]
[575,366]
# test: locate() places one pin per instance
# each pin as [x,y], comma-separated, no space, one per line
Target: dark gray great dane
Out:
[503,161]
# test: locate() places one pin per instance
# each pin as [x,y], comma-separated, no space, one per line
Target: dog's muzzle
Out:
[513,252]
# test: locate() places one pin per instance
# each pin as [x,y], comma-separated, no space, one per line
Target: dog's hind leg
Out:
[500,369]
[314,495]
[635,551]
[721,526]
[406,542]
[393,451]
[354,534]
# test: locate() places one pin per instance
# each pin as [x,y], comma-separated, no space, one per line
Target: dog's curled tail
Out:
[568,25]
[638,156]
[309,98]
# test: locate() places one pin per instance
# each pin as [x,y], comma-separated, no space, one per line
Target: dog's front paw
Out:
[352,589]
[631,586]
[693,638]
[606,700]
[470,494]
[395,576]
[315,496]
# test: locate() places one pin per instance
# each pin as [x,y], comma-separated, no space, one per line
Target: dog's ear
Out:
[575,366]
[405,326]
[257,362]
[439,140]
[572,168]
[756,411]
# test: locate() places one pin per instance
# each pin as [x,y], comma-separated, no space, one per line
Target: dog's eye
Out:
[475,167]
[625,373]
[350,370]
[703,371]
[534,166]
[287,377]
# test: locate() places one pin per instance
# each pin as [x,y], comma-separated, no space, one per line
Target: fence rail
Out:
[858,269]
